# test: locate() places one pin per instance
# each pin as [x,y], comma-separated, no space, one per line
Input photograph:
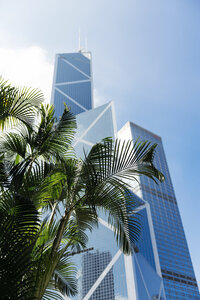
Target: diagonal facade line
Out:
[102,276]
[143,278]
[161,287]
[93,123]
[70,98]
[72,82]
[77,69]
[84,142]
[130,278]
[104,223]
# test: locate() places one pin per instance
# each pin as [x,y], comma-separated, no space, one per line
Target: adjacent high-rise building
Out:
[175,262]
[160,267]
[93,265]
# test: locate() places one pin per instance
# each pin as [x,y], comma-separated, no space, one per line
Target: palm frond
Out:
[83,219]
[122,160]
[18,105]
[64,277]
[19,225]
[12,145]
[51,294]
[57,142]
[107,173]
[5,178]
[52,273]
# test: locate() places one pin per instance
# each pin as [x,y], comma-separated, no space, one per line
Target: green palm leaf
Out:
[55,139]
[18,105]
[64,278]
[19,225]
[107,173]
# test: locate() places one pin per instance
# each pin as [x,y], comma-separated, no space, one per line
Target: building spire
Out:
[82,49]
[79,39]
[86,46]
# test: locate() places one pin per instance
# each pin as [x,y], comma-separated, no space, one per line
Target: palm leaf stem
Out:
[53,211]
[61,230]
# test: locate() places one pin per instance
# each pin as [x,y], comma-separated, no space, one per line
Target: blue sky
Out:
[146,57]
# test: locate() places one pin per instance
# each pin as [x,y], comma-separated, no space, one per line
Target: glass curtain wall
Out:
[176,266]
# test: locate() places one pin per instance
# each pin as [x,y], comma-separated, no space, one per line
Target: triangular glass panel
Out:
[150,278]
[102,128]
[66,73]
[60,99]
[79,61]
[145,243]
[142,293]
[85,120]
[81,149]
[80,92]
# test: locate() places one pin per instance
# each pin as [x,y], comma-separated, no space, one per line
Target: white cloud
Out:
[27,67]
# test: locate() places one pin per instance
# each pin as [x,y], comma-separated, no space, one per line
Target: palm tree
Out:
[41,178]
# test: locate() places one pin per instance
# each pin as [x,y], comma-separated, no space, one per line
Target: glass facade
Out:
[101,271]
[72,82]
[149,283]
[176,266]
[105,272]
[93,265]
[92,127]
[145,262]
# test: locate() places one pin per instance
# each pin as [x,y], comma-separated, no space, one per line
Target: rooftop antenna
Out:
[86,46]
[79,40]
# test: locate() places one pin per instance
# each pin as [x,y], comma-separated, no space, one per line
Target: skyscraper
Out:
[160,267]
[92,126]
[176,266]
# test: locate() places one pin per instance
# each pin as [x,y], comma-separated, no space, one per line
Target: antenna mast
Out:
[86,44]
[79,40]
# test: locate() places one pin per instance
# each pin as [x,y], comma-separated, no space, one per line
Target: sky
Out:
[145,57]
